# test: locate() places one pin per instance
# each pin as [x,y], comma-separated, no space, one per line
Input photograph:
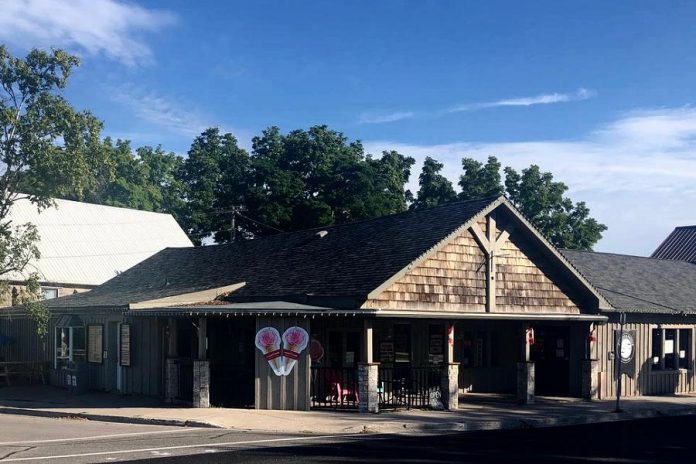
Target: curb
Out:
[395,427]
[107,418]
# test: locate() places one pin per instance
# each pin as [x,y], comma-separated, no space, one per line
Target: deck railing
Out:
[334,387]
[409,387]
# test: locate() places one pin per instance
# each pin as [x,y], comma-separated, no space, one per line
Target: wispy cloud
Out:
[111,28]
[372,118]
[161,111]
[637,173]
[542,99]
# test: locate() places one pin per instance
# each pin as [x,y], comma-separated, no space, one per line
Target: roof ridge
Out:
[487,200]
[610,253]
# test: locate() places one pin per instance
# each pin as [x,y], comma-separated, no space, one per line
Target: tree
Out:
[435,189]
[479,180]
[541,200]
[538,197]
[214,179]
[317,177]
[46,149]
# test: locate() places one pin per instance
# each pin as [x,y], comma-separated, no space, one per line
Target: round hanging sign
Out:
[627,348]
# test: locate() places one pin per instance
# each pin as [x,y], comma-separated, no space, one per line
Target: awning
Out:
[285,308]
[69,320]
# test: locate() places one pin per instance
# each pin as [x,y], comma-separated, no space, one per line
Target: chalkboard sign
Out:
[95,343]
[125,345]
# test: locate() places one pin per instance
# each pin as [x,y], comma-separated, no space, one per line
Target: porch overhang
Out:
[285,308]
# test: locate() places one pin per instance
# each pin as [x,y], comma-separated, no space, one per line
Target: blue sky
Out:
[600,93]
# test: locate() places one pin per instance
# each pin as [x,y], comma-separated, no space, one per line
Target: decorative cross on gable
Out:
[490,243]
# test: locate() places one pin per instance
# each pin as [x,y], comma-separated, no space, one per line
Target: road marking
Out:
[117,435]
[201,445]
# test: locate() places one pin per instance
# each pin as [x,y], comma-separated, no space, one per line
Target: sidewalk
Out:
[477,412]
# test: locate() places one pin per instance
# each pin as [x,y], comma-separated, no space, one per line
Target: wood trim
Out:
[438,246]
[187,298]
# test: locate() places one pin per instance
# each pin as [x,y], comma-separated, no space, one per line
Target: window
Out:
[49,293]
[474,349]
[685,348]
[671,349]
[70,346]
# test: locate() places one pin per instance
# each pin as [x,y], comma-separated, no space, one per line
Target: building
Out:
[403,310]
[680,245]
[83,245]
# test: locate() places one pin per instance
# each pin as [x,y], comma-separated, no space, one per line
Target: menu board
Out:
[95,343]
[125,345]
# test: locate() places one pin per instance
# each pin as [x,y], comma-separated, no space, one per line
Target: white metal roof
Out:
[83,243]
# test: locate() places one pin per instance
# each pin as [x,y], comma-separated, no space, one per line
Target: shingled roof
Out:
[639,284]
[679,245]
[347,261]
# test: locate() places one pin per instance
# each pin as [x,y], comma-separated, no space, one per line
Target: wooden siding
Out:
[144,375]
[454,278]
[647,380]
[289,392]
[525,282]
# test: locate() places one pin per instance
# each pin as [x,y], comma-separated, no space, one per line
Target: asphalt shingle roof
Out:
[679,245]
[349,261]
[639,284]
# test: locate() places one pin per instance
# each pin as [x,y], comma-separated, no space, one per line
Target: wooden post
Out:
[202,338]
[368,344]
[172,342]
[490,243]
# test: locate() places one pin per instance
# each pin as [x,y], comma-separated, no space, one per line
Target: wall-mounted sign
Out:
[95,343]
[626,350]
[316,351]
[282,359]
[124,345]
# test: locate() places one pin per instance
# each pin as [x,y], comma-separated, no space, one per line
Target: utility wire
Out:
[258,222]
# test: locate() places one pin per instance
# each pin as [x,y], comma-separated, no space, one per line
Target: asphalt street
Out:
[27,439]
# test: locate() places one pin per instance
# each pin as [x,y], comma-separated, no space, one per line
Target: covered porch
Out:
[371,360]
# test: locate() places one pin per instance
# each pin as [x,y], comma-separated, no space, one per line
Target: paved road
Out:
[26,439]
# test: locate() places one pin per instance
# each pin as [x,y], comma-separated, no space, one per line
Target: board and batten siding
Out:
[647,381]
[454,278]
[291,392]
[144,375]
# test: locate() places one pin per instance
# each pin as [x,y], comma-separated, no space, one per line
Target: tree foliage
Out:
[479,180]
[435,189]
[538,197]
[47,148]
[302,179]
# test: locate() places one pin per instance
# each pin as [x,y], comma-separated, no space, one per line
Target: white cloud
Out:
[111,28]
[543,99]
[161,111]
[637,173]
[372,118]
[173,115]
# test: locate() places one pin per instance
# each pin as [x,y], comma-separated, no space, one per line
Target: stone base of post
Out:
[525,382]
[201,384]
[171,380]
[368,377]
[590,379]
[450,386]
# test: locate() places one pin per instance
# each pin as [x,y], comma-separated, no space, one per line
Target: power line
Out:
[259,223]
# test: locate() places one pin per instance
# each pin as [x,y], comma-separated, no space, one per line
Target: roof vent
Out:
[322,233]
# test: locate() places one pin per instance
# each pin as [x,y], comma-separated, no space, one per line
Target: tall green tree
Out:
[47,148]
[479,180]
[542,201]
[316,177]
[434,188]
[214,178]
[539,197]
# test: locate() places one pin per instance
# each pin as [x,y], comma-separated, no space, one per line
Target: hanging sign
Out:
[625,352]
[124,355]
[283,358]
[95,343]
